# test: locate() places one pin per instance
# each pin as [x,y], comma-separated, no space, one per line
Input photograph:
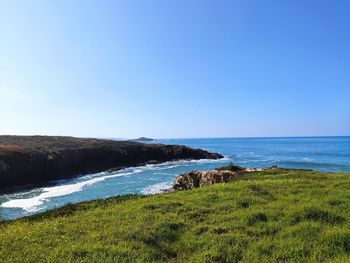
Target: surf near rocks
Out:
[31,160]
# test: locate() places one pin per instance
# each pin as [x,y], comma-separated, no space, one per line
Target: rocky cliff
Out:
[39,159]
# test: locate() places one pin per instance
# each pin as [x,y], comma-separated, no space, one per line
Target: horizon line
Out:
[183,138]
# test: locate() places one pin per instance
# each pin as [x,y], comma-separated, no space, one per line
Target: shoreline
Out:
[31,201]
[245,171]
[26,161]
[125,197]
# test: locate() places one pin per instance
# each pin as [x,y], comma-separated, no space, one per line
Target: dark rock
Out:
[39,159]
[3,166]
[152,162]
[167,190]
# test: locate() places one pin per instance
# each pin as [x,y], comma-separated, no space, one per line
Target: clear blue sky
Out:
[169,69]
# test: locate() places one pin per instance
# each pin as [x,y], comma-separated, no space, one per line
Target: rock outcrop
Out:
[197,179]
[39,159]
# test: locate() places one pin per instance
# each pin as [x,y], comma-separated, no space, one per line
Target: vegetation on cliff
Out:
[270,216]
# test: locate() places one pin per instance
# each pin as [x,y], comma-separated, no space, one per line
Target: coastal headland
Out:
[26,160]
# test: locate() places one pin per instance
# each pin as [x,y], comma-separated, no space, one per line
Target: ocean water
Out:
[319,153]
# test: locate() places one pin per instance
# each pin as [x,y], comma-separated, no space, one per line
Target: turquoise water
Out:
[319,153]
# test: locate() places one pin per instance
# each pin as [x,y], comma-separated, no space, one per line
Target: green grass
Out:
[272,216]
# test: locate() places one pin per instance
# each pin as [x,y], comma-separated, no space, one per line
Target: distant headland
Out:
[143,139]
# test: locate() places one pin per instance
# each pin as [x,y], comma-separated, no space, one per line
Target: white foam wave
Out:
[190,162]
[156,188]
[174,164]
[307,159]
[32,204]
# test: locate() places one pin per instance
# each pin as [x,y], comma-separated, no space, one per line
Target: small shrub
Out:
[243,204]
[80,254]
[168,232]
[164,207]
[259,191]
[220,230]
[266,249]
[230,167]
[255,218]
[343,241]
[201,230]
[211,198]
[224,208]
[198,216]
[335,202]
[160,241]
[150,207]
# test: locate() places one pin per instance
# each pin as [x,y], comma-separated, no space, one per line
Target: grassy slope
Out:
[272,216]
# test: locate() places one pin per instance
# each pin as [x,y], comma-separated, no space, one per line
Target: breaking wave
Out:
[156,188]
[66,187]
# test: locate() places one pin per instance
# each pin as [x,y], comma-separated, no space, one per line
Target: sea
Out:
[325,154]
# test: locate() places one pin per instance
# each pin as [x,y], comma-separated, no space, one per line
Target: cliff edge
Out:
[38,159]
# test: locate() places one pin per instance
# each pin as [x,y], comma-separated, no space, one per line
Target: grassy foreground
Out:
[271,216]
